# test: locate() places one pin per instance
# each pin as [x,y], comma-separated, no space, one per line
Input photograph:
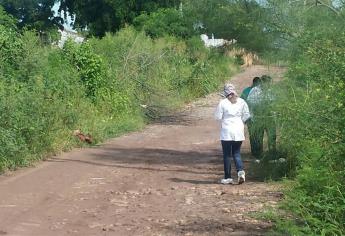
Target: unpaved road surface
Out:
[163,180]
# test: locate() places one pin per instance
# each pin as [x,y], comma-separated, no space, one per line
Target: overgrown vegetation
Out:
[311,113]
[103,87]
[317,143]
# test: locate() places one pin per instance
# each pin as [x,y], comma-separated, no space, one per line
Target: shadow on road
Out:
[204,162]
[150,159]
[178,180]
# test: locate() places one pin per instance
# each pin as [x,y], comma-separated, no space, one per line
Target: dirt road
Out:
[161,181]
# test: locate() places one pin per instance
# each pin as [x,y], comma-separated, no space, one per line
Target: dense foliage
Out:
[240,20]
[169,21]
[311,116]
[317,140]
[103,87]
[33,14]
[101,16]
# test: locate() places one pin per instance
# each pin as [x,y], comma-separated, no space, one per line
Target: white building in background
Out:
[212,42]
[69,34]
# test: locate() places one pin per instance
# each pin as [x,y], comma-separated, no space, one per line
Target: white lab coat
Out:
[232,117]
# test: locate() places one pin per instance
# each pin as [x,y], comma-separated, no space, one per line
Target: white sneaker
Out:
[241,177]
[226,181]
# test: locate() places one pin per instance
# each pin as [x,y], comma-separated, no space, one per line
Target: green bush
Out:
[10,51]
[88,64]
[312,133]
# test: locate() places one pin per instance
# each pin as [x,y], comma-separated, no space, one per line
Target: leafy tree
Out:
[164,21]
[6,20]
[236,19]
[10,44]
[290,21]
[101,16]
[33,14]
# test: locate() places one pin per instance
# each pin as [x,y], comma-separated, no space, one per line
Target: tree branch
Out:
[328,6]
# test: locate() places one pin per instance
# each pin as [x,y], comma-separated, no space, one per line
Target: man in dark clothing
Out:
[259,101]
[254,146]
[246,91]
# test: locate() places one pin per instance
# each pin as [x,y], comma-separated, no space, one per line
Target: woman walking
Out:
[233,112]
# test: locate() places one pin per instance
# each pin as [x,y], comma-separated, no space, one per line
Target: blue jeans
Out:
[231,148]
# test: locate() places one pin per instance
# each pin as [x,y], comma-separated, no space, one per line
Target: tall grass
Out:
[104,87]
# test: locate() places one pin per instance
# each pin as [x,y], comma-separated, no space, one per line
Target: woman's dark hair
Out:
[256,80]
